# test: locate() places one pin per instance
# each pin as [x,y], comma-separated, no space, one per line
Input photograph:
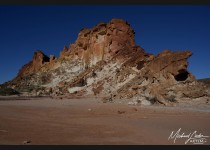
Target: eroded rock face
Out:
[170,63]
[33,66]
[105,61]
[103,42]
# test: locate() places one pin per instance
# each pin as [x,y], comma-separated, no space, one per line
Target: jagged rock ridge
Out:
[105,61]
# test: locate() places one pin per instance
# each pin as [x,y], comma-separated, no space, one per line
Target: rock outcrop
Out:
[105,61]
[102,43]
[33,66]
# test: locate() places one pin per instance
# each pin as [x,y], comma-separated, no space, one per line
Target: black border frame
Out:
[104,2]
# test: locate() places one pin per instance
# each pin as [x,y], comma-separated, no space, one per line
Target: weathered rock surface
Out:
[103,42]
[33,66]
[105,61]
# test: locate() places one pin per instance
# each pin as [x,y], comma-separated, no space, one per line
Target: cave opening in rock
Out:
[45,59]
[140,65]
[182,76]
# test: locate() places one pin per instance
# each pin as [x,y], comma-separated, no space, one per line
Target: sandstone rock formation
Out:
[102,43]
[33,66]
[106,62]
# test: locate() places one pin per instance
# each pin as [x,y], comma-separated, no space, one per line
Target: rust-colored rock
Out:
[33,66]
[103,42]
[105,61]
[169,62]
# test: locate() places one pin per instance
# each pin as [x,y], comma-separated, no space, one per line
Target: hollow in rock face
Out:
[182,76]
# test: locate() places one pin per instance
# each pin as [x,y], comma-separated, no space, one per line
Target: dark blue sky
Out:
[25,29]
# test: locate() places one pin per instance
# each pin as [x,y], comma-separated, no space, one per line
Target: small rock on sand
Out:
[134,109]
[26,142]
[120,112]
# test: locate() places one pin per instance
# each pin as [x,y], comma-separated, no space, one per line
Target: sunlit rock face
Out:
[105,61]
[102,42]
[33,66]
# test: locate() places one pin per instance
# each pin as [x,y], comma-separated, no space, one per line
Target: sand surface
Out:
[89,121]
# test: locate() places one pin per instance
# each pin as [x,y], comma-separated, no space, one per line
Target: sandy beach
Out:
[87,121]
